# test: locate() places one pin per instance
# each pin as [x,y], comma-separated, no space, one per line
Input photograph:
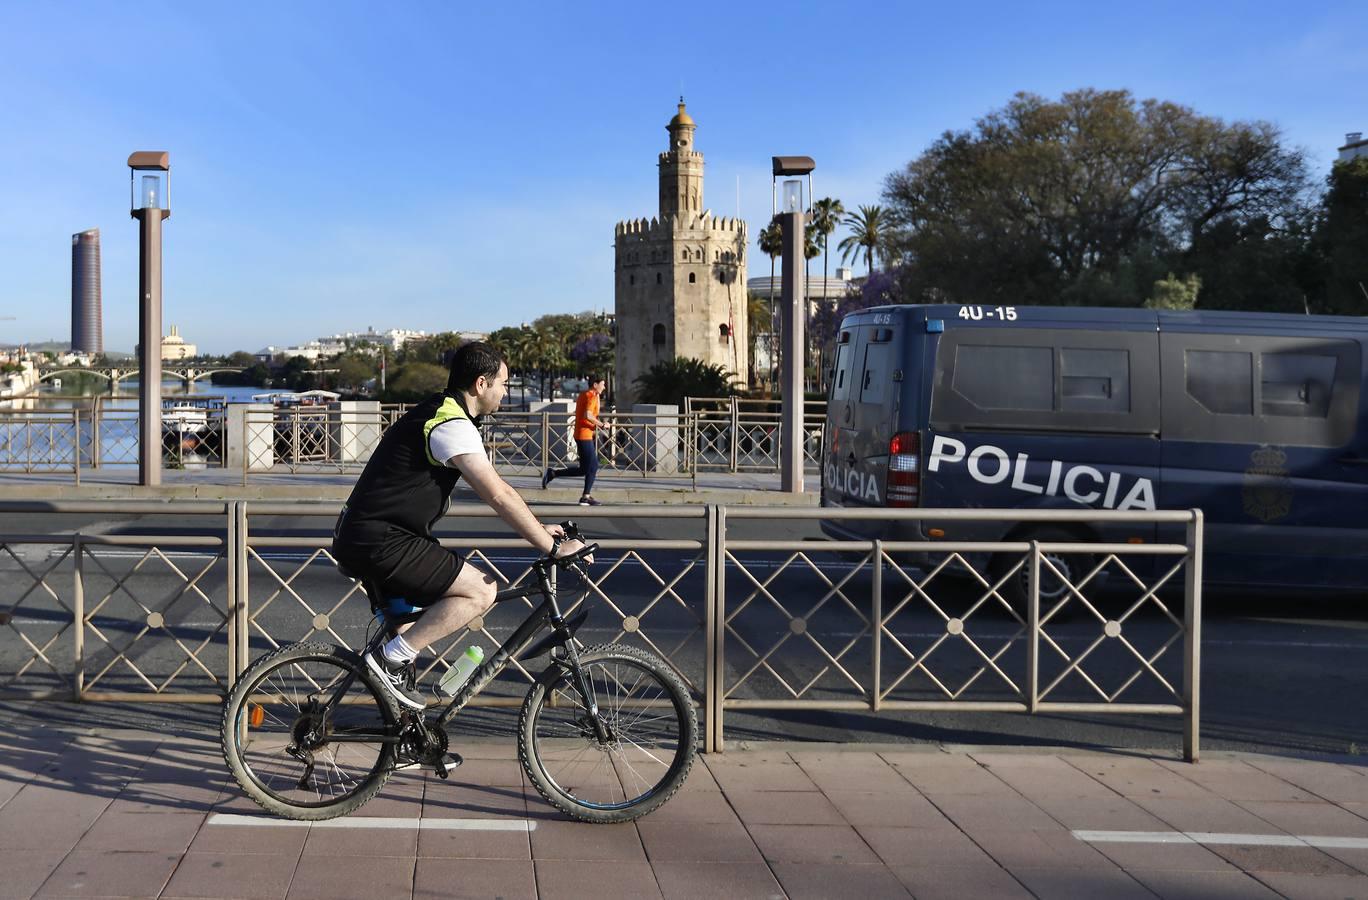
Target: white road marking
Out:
[1209,837]
[523,825]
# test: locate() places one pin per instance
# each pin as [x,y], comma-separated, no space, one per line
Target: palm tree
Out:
[826,215]
[771,243]
[866,233]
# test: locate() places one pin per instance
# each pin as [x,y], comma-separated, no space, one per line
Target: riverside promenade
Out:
[95,811]
[123,800]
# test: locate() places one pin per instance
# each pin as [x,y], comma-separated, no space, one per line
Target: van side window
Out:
[1003,377]
[1221,380]
[1094,380]
[877,375]
[1297,384]
[1289,391]
[1061,380]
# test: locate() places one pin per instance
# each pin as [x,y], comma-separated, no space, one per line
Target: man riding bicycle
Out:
[384,534]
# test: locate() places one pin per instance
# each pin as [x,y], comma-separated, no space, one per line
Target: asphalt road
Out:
[1280,674]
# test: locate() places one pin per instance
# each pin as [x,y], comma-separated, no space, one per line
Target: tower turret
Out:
[681,169]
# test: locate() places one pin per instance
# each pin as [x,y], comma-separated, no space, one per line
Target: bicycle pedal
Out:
[449,762]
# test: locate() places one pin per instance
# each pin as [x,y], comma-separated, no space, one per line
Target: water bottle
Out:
[459,674]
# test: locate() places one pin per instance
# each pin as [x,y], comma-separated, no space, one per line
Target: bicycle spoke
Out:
[284,711]
[643,724]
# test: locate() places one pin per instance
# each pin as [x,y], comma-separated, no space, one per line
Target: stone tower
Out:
[679,277]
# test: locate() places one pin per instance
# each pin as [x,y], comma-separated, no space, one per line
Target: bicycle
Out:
[607,733]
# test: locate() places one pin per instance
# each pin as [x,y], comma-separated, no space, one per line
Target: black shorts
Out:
[403,564]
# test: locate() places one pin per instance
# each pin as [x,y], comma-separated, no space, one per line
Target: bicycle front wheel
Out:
[653,731]
[306,733]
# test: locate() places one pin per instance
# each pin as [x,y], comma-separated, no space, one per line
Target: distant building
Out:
[173,346]
[1354,147]
[331,345]
[87,324]
[679,277]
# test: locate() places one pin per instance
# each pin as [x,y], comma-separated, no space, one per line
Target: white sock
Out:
[398,651]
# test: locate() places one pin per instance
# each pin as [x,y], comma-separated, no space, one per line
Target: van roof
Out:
[1045,316]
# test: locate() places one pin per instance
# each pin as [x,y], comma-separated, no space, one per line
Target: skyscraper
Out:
[87,322]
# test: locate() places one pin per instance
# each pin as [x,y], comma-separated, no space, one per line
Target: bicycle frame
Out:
[547,613]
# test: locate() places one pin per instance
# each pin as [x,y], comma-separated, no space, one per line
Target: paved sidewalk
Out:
[131,814]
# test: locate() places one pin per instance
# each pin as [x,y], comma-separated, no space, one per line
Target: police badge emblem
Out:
[1267,488]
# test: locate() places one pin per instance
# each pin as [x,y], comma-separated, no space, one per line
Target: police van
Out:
[1258,419]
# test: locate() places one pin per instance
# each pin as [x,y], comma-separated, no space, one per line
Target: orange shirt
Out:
[587,405]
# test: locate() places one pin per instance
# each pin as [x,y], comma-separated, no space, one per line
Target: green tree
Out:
[1175,293]
[867,235]
[670,381]
[354,369]
[1341,241]
[414,381]
[1082,199]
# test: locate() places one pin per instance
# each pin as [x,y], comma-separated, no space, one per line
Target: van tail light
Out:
[904,469]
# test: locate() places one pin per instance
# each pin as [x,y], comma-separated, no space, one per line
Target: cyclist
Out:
[384,533]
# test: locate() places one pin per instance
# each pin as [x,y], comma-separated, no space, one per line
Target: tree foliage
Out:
[1340,245]
[1088,199]
[670,381]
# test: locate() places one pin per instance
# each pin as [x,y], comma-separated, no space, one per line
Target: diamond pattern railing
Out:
[155,618]
[39,442]
[37,616]
[749,625]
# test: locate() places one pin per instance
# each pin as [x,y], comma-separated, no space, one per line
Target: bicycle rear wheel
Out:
[296,752]
[654,732]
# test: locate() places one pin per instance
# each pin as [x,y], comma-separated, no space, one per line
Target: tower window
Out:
[631,279]
[692,279]
[723,333]
[658,278]
[658,335]
[684,255]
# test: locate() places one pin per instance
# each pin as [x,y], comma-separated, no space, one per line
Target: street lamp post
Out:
[793,303]
[150,202]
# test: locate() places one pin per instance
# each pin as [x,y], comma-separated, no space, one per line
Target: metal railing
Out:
[750,625]
[729,436]
[95,437]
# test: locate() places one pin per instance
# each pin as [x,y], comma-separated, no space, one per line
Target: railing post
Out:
[1192,640]
[876,609]
[76,444]
[1033,627]
[244,609]
[78,623]
[717,677]
[709,630]
[545,441]
[230,556]
[735,434]
[96,415]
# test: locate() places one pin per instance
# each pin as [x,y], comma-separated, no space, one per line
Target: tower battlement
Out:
[646,229]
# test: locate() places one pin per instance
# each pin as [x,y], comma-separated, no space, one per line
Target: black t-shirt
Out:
[404,484]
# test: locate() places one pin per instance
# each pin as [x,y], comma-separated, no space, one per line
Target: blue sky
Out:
[451,167]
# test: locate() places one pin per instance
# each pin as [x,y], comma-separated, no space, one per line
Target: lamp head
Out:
[150,182]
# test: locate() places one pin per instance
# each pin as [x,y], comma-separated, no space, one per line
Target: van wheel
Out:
[1073,566]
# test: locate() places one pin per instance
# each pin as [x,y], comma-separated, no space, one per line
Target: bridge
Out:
[116,374]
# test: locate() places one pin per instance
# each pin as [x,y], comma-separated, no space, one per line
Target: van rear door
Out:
[840,420]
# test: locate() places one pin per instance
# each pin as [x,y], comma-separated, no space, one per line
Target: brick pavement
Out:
[130,814]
